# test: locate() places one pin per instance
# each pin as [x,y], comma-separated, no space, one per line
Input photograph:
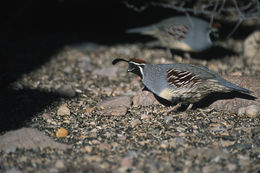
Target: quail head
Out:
[179,83]
[183,33]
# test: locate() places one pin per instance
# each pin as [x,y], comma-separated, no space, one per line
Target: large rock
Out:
[116,101]
[144,98]
[115,106]
[27,138]
[233,104]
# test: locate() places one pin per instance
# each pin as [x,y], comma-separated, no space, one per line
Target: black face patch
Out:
[214,35]
[136,69]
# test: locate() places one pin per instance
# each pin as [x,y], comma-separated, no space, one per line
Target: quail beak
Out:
[130,69]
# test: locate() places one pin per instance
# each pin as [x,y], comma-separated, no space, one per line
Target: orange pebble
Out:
[62,133]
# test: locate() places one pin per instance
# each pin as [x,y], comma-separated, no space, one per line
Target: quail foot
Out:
[189,34]
[179,83]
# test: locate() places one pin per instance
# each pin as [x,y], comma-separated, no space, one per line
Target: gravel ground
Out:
[81,82]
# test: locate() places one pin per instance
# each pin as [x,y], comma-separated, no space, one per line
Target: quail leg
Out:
[187,55]
[174,108]
[180,107]
[190,106]
[169,53]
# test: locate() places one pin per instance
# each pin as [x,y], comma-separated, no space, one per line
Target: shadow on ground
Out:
[211,98]
[19,57]
[18,106]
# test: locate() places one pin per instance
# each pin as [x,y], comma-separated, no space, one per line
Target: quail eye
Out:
[131,68]
[214,35]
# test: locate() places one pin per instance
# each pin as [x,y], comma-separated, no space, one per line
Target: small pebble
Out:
[226,143]
[132,154]
[90,110]
[127,162]
[135,122]
[168,118]
[95,142]
[62,133]
[46,116]
[88,149]
[59,164]
[93,158]
[145,117]
[53,170]
[108,134]
[244,160]
[63,110]
[104,146]
[241,111]
[121,137]
[231,167]
[164,144]
[66,91]
[210,168]
[13,170]
[252,111]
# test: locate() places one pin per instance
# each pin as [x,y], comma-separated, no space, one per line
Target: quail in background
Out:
[184,83]
[189,34]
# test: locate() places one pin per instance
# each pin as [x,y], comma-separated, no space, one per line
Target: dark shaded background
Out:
[32,31]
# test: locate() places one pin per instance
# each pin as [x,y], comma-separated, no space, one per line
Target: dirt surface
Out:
[90,108]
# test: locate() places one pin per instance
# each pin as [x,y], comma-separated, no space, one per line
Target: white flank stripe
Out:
[192,78]
[185,76]
[185,72]
[169,71]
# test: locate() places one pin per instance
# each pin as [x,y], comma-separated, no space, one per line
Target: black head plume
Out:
[214,31]
[131,60]
[115,61]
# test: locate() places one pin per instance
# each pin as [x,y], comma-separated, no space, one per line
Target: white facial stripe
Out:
[141,71]
[138,64]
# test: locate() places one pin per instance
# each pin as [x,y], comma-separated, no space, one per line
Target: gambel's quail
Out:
[183,33]
[179,83]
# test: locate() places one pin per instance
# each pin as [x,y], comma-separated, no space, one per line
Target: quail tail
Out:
[143,30]
[234,87]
